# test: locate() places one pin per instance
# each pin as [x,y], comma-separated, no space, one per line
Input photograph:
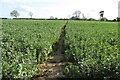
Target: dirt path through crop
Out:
[53,68]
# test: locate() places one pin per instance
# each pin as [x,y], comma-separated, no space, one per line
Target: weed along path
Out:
[54,66]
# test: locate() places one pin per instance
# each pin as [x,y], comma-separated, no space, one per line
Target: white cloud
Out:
[6,1]
[24,10]
[27,8]
[64,8]
[28,1]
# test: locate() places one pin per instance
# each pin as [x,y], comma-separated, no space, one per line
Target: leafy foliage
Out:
[14,13]
[26,43]
[92,50]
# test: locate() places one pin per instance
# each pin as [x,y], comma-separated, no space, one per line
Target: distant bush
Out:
[3,18]
[104,19]
[118,19]
[74,18]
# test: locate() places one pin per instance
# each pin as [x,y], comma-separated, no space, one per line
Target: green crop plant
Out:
[26,43]
[91,47]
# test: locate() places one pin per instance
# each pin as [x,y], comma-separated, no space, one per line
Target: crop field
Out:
[90,47]
[26,43]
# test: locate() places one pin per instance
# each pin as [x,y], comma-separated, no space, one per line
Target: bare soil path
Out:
[53,68]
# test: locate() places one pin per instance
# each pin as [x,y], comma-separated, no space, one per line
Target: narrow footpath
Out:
[53,68]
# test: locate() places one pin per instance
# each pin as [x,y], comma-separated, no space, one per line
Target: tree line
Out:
[75,16]
[15,14]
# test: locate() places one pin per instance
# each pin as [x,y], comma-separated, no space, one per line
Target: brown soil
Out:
[53,68]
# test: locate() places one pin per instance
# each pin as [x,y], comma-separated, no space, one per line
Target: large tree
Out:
[77,13]
[15,13]
[51,17]
[101,14]
[83,16]
[30,14]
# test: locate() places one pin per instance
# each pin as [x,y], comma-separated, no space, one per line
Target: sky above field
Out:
[59,8]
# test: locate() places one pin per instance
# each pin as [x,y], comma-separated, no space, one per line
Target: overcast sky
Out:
[59,8]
